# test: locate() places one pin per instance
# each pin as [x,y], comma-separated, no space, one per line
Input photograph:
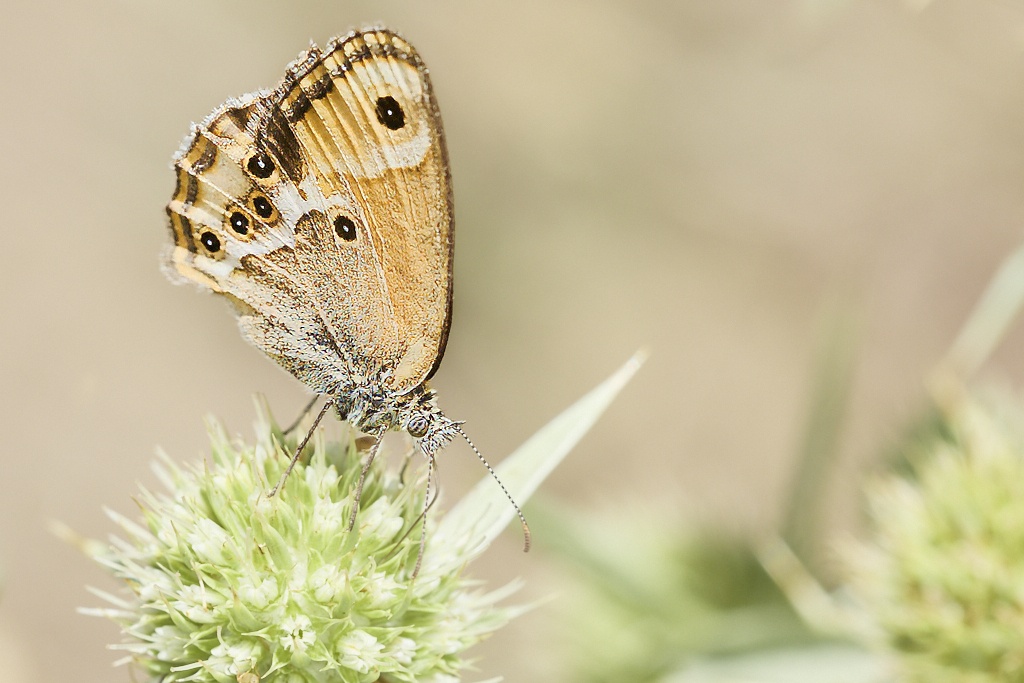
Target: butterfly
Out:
[322,210]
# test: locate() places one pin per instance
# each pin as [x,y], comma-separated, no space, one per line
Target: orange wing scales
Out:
[323,210]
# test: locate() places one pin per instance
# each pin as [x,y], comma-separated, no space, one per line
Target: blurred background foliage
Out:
[767,195]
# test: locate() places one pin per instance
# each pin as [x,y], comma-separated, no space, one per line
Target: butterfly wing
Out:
[323,209]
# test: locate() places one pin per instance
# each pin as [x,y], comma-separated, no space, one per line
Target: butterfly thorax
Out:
[416,412]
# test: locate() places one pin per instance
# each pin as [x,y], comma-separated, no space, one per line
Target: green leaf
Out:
[480,516]
[816,664]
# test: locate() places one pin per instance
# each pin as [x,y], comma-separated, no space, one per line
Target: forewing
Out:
[354,259]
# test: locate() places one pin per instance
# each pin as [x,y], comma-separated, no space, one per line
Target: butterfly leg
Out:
[411,451]
[298,451]
[427,502]
[302,415]
[362,477]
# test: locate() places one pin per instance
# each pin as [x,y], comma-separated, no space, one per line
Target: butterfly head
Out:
[431,428]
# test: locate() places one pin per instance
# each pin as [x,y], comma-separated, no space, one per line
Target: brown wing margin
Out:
[450,200]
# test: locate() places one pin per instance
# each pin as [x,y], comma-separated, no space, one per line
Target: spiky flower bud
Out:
[944,575]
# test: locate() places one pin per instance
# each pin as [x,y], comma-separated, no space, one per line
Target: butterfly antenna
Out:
[298,451]
[302,416]
[362,478]
[526,527]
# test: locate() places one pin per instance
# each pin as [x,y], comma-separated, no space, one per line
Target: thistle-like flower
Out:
[227,581]
[944,576]
[228,585]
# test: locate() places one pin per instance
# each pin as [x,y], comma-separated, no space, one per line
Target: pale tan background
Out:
[697,177]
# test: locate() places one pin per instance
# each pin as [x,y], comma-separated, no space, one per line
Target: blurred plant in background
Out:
[944,574]
[935,593]
[652,600]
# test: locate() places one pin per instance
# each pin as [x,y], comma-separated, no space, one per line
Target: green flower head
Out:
[944,576]
[228,581]
[228,585]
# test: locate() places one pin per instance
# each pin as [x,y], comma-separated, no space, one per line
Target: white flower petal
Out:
[359,651]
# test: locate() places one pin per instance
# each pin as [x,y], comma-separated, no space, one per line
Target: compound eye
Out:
[417,426]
